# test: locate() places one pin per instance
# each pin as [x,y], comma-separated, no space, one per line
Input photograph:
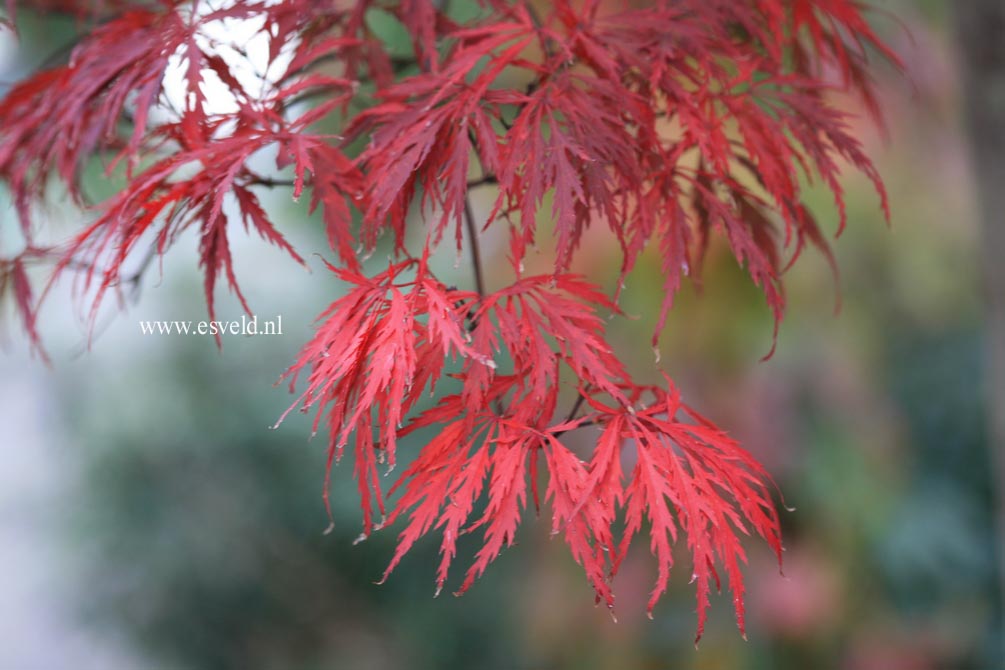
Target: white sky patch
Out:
[243,44]
[9,48]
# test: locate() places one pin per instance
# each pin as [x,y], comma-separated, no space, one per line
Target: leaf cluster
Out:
[664,122]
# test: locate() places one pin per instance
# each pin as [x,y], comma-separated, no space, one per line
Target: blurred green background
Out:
[150,519]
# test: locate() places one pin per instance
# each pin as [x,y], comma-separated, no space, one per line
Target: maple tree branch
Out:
[487,180]
[132,279]
[563,122]
[535,18]
[476,255]
[572,415]
[270,182]
[585,424]
[476,262]
[575,407]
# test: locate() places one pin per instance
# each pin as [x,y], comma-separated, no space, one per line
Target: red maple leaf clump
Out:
[665,121]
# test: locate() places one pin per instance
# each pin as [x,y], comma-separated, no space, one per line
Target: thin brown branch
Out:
[476,255]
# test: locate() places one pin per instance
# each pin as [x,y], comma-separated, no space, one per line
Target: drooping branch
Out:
[646,121]
[476,255]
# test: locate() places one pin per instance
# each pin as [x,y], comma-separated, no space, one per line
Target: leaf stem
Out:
[476,254]
[575,407]
[585,424]
[572,415]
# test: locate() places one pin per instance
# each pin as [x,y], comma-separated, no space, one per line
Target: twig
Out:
[575,407]
[487,180]
[476,255]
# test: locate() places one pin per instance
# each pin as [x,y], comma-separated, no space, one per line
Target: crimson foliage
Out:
[664,121]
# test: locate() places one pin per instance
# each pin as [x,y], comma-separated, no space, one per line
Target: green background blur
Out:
[150,519]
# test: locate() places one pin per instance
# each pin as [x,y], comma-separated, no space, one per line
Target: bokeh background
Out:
[150,519]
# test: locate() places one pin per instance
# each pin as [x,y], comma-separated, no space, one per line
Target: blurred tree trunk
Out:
[981,31]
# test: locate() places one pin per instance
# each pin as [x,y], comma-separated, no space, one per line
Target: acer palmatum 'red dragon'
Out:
[661,121]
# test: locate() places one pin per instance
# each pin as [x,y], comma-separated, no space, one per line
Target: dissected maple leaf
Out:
[372,355]
[162,204]
[688,477]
